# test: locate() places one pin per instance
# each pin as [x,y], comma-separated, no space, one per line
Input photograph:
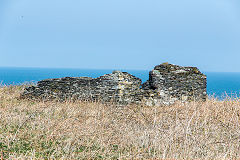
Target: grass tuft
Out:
[84,130]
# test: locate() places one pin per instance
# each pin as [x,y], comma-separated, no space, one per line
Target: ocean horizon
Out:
[219,84]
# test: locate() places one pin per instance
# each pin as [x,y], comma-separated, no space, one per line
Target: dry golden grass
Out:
[82,130]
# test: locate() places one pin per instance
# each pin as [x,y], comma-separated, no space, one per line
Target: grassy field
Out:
[84,130]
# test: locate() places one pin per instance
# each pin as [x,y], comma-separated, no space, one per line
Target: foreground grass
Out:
[78,130]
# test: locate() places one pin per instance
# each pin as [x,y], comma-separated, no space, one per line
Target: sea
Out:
[220,85]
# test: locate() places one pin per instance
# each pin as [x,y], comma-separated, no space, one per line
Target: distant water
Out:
[218,84]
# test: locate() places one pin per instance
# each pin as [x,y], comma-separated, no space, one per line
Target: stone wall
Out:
[167,83]
[120,87]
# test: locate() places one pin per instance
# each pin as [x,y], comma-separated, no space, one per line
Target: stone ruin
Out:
[120,87]
[167,84]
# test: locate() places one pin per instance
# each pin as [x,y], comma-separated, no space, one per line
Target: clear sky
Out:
[120,34]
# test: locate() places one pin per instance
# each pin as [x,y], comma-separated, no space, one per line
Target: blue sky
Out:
[120,34]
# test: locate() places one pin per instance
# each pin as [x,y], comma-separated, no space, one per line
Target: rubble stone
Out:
[167,83]
[120,87]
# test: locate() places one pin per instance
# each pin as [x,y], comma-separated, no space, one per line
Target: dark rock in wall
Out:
[167,83]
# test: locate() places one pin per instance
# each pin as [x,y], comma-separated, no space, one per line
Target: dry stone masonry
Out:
[167,83]
[120,87]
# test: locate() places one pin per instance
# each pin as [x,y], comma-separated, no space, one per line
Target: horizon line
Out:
[112,69]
